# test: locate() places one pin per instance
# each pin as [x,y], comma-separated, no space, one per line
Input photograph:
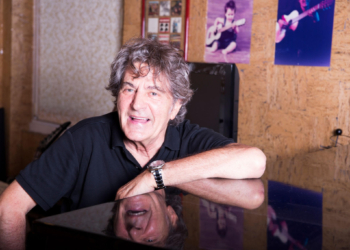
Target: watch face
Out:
[156,165]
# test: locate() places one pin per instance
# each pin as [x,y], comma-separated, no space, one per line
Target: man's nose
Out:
[139,101]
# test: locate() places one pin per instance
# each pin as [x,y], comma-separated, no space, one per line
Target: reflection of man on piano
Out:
[302,34]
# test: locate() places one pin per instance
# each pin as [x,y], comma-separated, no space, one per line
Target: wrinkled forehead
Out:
[139,70]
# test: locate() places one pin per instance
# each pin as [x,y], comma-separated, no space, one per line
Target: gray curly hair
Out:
[163,59]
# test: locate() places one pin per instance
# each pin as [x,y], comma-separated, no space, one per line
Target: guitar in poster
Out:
[304,32]
[228,31]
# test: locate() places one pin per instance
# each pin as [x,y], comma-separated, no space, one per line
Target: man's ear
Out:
[172,216]
[176,109]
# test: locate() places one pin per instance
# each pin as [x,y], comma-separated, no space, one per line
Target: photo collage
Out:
[165,21]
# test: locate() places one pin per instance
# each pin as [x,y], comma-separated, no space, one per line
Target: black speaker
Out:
[2,146]
[215,101]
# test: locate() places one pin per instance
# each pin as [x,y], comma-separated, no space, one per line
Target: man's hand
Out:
[143,183]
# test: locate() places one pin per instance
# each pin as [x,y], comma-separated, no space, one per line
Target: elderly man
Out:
[145,145]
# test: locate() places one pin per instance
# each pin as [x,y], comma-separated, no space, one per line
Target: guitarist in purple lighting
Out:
[223,34]
[304,33]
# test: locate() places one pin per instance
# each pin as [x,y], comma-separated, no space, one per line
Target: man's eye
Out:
[154,94]
[129,90]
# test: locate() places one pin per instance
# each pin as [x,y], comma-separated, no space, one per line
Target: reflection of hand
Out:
[143,183]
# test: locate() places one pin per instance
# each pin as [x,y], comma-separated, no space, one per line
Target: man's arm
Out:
[233,161]
[247,194]
[15,203]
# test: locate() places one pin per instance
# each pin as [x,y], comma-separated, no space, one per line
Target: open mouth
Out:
[136,213]
[139,119]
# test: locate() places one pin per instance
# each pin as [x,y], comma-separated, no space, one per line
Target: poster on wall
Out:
[304,32]
[165,21]
[294,217]
[228,31]
[221,226]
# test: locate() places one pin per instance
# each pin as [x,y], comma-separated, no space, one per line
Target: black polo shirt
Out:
[89,162]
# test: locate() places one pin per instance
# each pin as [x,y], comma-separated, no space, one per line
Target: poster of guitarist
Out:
[304,32]
[228,31]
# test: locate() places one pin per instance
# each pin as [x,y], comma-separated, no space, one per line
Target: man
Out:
[105,157]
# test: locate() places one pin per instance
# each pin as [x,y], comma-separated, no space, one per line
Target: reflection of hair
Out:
[110,226]
[230,5]
[177,235]
[163,59]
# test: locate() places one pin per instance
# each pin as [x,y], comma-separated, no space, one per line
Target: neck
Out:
[143,152]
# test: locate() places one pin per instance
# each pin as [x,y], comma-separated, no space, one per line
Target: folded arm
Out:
[15,203]
[233,161]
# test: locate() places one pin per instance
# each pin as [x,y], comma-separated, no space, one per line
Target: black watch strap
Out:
[157,173]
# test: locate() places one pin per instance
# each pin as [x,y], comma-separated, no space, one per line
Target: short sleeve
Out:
[53,175]
[201,139]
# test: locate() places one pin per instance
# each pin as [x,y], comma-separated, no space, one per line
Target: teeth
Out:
[136,118]
[136,212]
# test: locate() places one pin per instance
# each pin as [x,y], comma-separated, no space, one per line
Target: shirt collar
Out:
[172,136]
[117,134]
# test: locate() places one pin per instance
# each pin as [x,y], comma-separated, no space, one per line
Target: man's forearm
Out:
[234,161]
[15,203]
[242,193]
[12,231]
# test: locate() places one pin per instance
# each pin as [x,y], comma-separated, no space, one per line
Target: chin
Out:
[135,136]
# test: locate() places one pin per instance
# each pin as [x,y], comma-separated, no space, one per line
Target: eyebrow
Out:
[149,87]
[128,83]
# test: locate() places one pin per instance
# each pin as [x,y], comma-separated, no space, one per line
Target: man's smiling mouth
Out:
[139,119]
[136,213]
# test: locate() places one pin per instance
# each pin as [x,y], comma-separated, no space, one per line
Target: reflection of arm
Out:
[242,193]
[14,205]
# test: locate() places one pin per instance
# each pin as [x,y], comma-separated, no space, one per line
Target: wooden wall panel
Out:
[132,19]
[196,30]
[17,90]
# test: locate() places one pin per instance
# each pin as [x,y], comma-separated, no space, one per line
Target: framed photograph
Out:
[228,31]
[304,32]
[167,22]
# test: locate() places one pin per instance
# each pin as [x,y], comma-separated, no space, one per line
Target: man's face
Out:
[145,219]
[145,106]
[230,14]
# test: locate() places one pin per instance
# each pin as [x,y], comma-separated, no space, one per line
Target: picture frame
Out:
[167,21]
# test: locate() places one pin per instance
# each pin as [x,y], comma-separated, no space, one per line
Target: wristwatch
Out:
[156,169]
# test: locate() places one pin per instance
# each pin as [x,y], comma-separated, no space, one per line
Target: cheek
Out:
[122,104]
